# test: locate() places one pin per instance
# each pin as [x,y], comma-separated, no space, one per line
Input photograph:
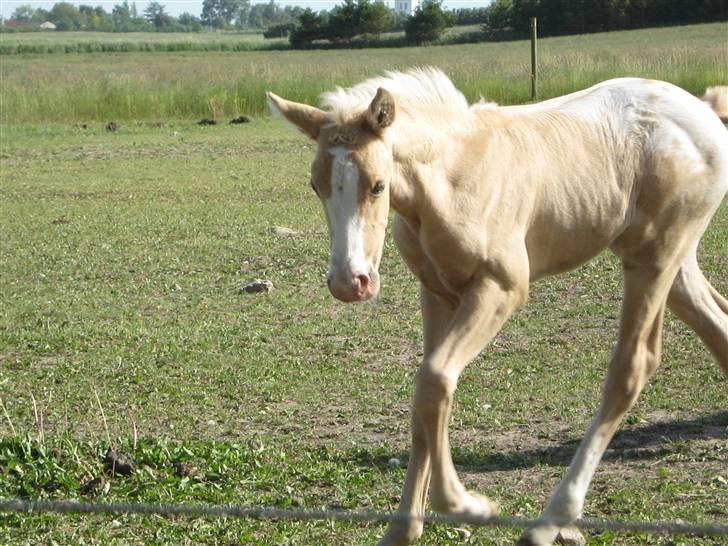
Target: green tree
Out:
[292,12]
[375,18]
[310,26]
[66,16]
[344,22]
[190,22]
[256,16]
[281,30]
[428,22]
[355,17]
[89,19]
[498,16]
[23,13]
[41,16]
[155,14]
[126,18]
[470,16]
[522,12]
[222,13]
[271,14]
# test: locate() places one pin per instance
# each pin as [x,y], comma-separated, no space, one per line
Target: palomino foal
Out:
[488,199]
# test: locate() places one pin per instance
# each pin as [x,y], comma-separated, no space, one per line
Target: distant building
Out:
[48,26]
[15,24]
[406,6]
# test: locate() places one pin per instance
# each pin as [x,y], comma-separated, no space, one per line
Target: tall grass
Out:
[134,46]
[97,42]
[103,86]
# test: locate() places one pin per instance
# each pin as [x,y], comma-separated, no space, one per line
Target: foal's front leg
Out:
[483,311]
[436,317]
[484,307]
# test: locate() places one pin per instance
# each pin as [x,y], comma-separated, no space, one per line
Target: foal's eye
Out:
[378,188]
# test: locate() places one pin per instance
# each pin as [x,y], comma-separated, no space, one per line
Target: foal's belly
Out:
[574,220]
[557,248]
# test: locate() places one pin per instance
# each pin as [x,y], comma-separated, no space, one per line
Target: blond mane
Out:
[420,91]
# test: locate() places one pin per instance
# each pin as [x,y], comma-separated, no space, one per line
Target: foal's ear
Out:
[306,118]
[381,111]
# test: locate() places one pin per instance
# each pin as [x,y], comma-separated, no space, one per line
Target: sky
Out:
[176,7]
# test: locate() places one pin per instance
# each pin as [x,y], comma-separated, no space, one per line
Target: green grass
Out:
[63,38]
[130,42]
[187,85]
[123,255]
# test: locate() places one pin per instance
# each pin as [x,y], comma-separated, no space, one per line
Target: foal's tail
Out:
[717,98]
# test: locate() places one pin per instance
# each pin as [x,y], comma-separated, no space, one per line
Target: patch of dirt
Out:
[698,441]
[534,457]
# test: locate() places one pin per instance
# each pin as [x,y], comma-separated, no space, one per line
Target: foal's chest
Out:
[454,251]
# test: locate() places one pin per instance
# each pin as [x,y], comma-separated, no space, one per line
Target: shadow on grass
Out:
[651,441]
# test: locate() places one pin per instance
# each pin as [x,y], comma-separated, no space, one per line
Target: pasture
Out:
[154,86]
[130,42]
[122,318]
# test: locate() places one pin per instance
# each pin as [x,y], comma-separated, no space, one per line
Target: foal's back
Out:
[623,164]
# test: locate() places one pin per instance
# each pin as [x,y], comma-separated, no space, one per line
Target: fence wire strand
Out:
[355,516]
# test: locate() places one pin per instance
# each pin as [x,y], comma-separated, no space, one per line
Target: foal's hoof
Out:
[488,507]
[468,504]
[570,536]
[526,540]
[542,536]
[401,534]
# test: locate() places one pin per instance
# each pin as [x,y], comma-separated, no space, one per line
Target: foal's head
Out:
[351,174]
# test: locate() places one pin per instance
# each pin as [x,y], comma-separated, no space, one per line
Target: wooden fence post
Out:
[534,67]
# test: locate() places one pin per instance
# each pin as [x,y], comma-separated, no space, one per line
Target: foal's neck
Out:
[423,153]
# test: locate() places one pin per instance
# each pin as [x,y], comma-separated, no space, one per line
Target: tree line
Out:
[366,20]
[362,19]
[558,17]
[124,17]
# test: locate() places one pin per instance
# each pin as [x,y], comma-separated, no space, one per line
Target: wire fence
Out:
[352,516]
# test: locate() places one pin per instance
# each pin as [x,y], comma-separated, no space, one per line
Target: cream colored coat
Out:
[490,198]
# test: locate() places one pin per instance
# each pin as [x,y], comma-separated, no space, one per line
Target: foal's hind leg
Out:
[701,307]
[634,361]
[720,301]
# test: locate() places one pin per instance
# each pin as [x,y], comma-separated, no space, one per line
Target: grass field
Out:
[123,257]
[131,42]
[64,38]
[164,86]
[121,265]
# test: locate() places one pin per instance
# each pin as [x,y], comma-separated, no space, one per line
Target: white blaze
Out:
[342,207]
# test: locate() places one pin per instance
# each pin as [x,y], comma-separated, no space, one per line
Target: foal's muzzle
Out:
[354,286]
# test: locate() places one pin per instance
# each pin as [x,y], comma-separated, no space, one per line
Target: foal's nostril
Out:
[362,282]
